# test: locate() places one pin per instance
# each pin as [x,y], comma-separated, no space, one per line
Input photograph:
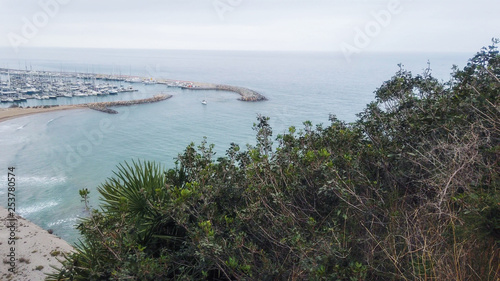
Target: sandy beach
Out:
[35,249]
[15,112]
[10,113]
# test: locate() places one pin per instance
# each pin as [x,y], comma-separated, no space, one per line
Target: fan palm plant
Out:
[134,194]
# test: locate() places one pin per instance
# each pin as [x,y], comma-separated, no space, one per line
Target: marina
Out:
[20,85]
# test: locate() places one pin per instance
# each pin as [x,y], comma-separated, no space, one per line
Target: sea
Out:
[58,153]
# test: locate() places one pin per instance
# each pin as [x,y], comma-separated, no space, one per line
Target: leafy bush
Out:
[407,192]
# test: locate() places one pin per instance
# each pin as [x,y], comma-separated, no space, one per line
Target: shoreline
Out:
[35,249]
[16,112]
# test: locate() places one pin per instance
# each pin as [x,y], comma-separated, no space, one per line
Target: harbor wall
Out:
[245,93]
[104,106]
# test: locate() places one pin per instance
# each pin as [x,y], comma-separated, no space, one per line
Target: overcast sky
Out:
[322,25]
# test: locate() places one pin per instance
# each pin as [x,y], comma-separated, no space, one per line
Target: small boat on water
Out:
[204,102]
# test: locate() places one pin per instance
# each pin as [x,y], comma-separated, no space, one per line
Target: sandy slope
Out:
[34,248]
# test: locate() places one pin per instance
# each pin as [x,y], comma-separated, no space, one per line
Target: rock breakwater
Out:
[245,93]
[104,106]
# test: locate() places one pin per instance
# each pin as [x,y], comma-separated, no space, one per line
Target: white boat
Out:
[204,101]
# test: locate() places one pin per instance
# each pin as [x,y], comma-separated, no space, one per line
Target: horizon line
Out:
[245,50]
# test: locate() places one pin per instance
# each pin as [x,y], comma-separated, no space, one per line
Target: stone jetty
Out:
[104,106]
[245,93]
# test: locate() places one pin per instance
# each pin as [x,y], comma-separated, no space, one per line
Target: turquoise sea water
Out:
[58,153]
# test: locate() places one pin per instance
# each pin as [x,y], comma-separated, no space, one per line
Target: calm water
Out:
[58,153]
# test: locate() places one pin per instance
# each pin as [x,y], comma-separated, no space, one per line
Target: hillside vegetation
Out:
[410,191]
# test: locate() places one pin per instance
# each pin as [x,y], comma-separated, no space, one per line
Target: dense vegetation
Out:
[410,191]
